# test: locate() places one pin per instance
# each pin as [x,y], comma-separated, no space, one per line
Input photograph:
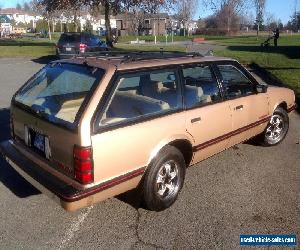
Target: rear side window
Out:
[57,92]
[142,94]
[69,38]
[200,86]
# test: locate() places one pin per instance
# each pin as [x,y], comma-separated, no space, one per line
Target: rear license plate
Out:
[68,49]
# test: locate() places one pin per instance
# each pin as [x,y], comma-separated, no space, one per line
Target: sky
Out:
[281,9]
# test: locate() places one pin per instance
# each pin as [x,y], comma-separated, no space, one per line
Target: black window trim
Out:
[110,90]
[239,67]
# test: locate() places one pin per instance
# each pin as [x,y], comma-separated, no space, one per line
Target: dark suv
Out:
[74,43]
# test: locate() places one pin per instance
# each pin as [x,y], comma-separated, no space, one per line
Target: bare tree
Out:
[227,12]
[110,7]
[259,9]
[186,10]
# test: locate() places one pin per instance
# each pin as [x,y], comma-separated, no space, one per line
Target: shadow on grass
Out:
[292,52]
[270,79]
[8,176]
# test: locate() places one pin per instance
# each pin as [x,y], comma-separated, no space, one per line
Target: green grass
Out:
[26,47]
[127,39]
[283,62]
[131,47]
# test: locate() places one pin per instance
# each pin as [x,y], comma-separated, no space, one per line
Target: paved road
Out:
[247,189]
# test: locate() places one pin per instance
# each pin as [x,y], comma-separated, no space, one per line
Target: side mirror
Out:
[261,88]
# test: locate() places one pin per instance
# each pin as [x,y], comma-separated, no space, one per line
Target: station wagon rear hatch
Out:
[46,111]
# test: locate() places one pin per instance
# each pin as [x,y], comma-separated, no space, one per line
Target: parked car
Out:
[87,129]
[73,43]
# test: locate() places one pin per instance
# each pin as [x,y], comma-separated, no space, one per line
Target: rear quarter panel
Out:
[129,148]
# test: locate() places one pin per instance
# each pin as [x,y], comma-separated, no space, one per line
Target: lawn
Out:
[283,62]
[26,47]
[131,47]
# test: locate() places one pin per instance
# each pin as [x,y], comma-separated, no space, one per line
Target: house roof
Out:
[11,11]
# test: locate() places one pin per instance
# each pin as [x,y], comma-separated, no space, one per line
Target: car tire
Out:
[164,179]
[277,128]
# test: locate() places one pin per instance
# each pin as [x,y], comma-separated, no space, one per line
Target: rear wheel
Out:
[277,128]
[164,179]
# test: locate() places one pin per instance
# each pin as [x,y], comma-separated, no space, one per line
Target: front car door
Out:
[208,118]
[249,109]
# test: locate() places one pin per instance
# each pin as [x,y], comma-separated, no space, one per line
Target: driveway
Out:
[247,189]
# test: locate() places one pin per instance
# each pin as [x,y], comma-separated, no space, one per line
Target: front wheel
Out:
[164,179]
[277,128]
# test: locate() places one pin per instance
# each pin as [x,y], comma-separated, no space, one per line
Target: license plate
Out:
[39,142]
[68,49]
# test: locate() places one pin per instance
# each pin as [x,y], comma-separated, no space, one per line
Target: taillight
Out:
[59,47]
[83,164]
[82,47]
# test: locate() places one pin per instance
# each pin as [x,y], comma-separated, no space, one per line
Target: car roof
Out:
[125,62]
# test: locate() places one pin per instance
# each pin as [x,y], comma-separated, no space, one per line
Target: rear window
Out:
[58,91]
[69,38]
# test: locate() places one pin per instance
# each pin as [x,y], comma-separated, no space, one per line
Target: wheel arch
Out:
[281,104]
[184,145]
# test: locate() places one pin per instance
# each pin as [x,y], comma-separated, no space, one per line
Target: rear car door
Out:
[140,113]
[249,109]
[208,118]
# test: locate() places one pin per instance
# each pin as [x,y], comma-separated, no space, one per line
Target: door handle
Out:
[240,107]
[194,120]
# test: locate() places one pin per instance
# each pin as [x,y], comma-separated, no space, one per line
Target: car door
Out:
[143,111]
[208,118]
[248,107]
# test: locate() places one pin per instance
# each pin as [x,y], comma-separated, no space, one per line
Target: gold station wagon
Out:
[86,129]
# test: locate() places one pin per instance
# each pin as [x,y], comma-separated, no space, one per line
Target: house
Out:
[142,24]
[21,16]
[5,25]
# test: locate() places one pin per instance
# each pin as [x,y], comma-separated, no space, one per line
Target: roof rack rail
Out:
[131,56]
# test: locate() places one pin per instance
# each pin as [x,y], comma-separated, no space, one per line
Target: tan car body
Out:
[121,155]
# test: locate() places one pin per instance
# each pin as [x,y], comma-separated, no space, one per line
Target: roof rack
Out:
[126,56]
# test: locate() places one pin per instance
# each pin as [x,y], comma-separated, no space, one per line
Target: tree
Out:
[110,7]
[259,10]
[294,23]
[18,6]
[88,26]
[227,12]
[26,7]
[186,10]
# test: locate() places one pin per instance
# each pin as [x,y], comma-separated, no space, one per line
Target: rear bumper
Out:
[66,195]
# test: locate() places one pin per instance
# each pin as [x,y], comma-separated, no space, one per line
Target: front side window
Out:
[200,86]
[235,83]
[142,94]
[58,91]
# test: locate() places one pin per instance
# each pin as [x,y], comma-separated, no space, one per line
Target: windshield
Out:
[58,91]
